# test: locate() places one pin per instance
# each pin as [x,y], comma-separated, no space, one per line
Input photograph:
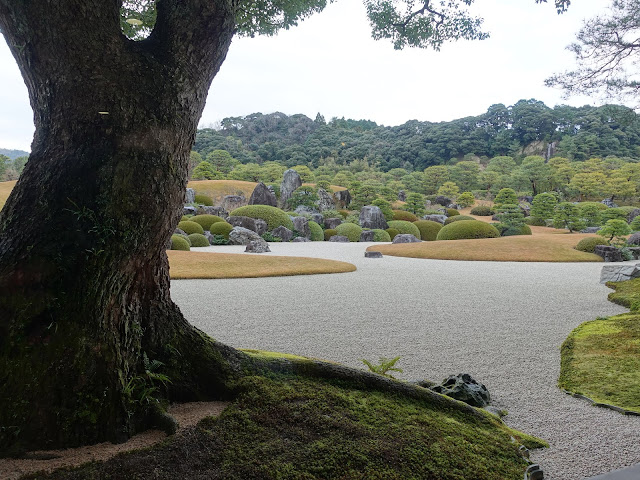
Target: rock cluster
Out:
[619,273]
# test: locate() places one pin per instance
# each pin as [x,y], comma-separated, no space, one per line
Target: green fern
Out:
[386,365]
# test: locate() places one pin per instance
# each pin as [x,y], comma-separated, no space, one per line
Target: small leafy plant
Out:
[386,365]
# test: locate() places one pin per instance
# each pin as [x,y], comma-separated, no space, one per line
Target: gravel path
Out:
[501,322]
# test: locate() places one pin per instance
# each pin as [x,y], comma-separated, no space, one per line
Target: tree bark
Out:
[84,281]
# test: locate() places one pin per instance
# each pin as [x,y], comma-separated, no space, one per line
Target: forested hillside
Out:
[519,130]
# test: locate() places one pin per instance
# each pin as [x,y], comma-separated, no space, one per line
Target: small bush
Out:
[221,228]
[178,242]
[589,244]
[352,218]
[614,214]
[219,240]
[190,227]
[198,240]
[457,218]
[468,229]
[392,233]
[404,215]
[511,231]
[350,230]
[204,200]
[344,213]
[269,237]
[380,235]
[635,224]
[328,233]
[272,215]
[452,212]
[535,221]
[206,220]
[465,199]
[317,235]
[331,214]
[184,218]
[482,211]
[428,229]
[402,226]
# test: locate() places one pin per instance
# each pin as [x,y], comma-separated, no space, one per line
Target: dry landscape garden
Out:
[292,298]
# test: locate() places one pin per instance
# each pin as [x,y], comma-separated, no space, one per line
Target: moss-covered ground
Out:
[291,428]
[5,190]
[601,358]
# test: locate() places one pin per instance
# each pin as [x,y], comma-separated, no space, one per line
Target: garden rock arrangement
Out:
[290,182]
[261,195]
[609,254]
[405,238]
[619,273]
[465,388]
[372,217]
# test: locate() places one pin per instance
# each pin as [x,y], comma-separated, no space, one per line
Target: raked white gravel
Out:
[502,322]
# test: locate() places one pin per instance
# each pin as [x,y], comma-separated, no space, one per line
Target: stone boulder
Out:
[257,246]
[442,200]
[619,273]
[300,209]
[609,254]
[609,203]
[231,202]
[242,236]
[301,224]
[634,239]
[590,230]
[372,217]
[261,195]
[209,236]
[405,238]
[525,208]
[343,198]
[372,254]
[366,236]
[283,232]
[455,206]
[464,388]
[402,196]
[632,215]
[219,211]
[190,196]
[177,231]
[300,239]
[188,210]
[332,222]
[325,200]
[339,238]
[526,199]
[290,181]
[436,218]
[255,224]
[318,218]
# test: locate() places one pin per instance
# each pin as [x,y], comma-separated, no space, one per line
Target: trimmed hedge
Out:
[317,235]
[535,221]
[428,229]
[512,231]
[402,226]
[178,242]
[328,233]
[457,218]
[614,214]
[204,200]
[198,240]
[221,228]
[482,211]
[466,229]
[380,235]
[404,215]
[451,212]
[206,220]
[589,244]
[272,215]
[190,227]
[392,233]
[349,230]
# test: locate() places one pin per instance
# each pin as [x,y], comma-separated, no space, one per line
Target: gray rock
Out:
[244,222]
[343,198]
[609,254]
[261,195]
[332,222]
[283,232]
[209,236]
[619,273]
[590,230]
[402,196]
[634,239]
[325,200]
[632,215]
[188,210]
[339,238]
[372,254]
[242,236]
[290,181]
[300,209]
[609,203]
[178,231]
[257,246]
[526,198]
[464,388]
[300,239]
[366,236]
[436,218]
[231,202]
[525,208]
[442,200]
[190,195]
[455,206]
[219,211]
[405,238]
[318,218]
[301,224]
[372,217]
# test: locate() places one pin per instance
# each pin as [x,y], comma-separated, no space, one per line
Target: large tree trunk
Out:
[84,283]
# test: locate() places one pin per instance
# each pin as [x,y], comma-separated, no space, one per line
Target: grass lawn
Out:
[5,190]
[184,265]
[217,189]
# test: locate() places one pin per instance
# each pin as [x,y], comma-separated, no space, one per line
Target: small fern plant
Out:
[385,366]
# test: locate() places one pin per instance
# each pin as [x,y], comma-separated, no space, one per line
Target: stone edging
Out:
[621,410]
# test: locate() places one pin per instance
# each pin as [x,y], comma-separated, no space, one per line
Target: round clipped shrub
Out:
[512,231]
[482,211]
[614,214]
[452,212]
[206,220]
[350,230]
[468,229]
[589,244]
[317,235]
[392,233]
[221,228]
[329,232]
[190,227]
[380,235]
[204,200]
[344,213]
[272,215]
[457,218]
[404,215]
[402,226]
[184,218]
[178,242]
[198,240]
[535,221]
[428,229]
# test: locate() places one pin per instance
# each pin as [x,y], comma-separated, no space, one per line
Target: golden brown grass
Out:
[5,190]
[335,188]
[217,189]
[184,265]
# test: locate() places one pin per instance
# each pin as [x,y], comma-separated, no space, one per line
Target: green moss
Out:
[457,218]
[428,229]
[204,200]
[198,240]
[350,230]
[206,220]
[626,293]
[221,228]
[380,235]
[404,215]
[272,215]
[405,227]
[178,242]
[329,232]
[466,229]
[317,234]
[190,227]
[589,244]
[270,355]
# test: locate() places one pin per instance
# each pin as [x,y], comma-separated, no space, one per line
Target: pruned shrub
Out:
[468,229]
[506,195]
[589,244]
[380,235]
[635,224]
[206,220]
[349,230]
[452,212]
[343,213]
[272,215]
[204,200]
[198,240]
[392,233]
[221,228]
[465,199]
[482,211]
[428,229]
[317,235]
[178,242]
[404,215]
[457,218]
[402,226]
[535,221]
[328,233]
[190,227]
[512,231]
[184,218]
[614,214]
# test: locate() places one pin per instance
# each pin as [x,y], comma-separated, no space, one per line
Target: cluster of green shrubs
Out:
[272,215]
[457,218]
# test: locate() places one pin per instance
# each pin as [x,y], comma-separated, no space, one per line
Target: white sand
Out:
[501,322]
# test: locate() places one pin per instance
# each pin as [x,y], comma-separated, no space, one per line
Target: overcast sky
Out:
[330,64]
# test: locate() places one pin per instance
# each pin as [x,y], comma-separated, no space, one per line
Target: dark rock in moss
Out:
[301,224]
[373,254]
[332,223]
[405,238]
[283,232]
[367,236]
[609,254]
[339,238]
[261,195]
[465,388]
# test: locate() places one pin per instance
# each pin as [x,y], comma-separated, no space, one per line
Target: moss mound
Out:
[468,229]
[178,242]
[380,235]
[589,244]
[392,233]
[272,215]
[329,232]
[452,212]
[221,228]
[482,211]
[190,227]
[350,230]
[204,200]
[198,240]
[317,235]
[457,218]
[404,215]
[403,226]
[428,229]
[206,220]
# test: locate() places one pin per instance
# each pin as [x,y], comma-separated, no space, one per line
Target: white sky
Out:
[330,64]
